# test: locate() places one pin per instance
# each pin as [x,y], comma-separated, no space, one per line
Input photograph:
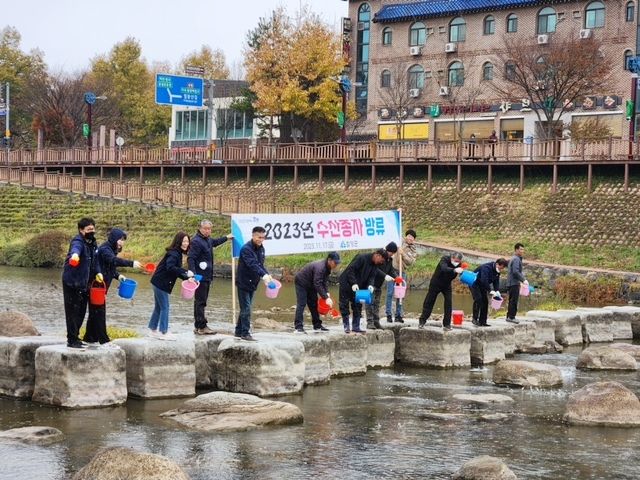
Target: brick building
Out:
[433,46]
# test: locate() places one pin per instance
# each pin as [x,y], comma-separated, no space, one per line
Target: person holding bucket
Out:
[200,260]
[107,257]
[487,283]
[514,280]
[163,281]
[249,272]
[373,308]
[407,254]
[445,272]
[80,269]
[359,274]
[311,282]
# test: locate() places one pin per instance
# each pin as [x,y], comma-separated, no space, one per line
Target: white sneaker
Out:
[167,336]
[110,346]
[153,333]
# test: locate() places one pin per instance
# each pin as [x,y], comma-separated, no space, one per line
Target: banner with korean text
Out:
[319,232]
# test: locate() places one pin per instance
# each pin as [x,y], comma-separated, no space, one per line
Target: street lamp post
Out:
[90,98]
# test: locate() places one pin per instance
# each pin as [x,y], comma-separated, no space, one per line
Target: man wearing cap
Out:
[311,282]
[200,261]
[361,273]
[373,309]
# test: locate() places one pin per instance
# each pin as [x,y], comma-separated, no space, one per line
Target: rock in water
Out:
[484,468]
[117,463]
[33,435]
[527,374]
[228,412]
[16,324]
[603,403]
[605,358]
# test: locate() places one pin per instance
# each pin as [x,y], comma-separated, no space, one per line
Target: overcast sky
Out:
[72,32]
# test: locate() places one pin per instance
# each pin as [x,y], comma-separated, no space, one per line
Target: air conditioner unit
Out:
[585,33]
[450,47]
[360,25]
[415,50]
[414,92]
[444,91]
[543,39]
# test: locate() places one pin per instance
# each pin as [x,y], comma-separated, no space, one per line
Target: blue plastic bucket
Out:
[127,289]
[364,296]
[468,278]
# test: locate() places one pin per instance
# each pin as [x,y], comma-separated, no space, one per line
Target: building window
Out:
[387,36]
[547,20]
[489,25]
[594,17]
[630,12]
[510,71]
[456,74]
[385,79]
[362,57]
[233,124]
[457,30]
[191,125]
[487,71]
[627,57]
[512,23]
[416,77]
[417,34]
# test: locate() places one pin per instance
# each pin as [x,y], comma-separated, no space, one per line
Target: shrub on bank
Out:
[45,249]
[585,290]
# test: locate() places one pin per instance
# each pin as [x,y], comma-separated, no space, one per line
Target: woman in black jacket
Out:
[163,281]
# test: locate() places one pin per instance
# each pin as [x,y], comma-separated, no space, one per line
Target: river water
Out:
[374,426]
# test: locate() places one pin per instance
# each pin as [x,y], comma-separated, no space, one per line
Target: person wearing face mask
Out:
[445,272]
[109,261]
[487,283]
[80,269]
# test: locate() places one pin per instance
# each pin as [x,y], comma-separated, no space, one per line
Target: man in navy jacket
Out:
[200,262]
[487,283]
[248,274]
[445,272]
[80,268]
[311,282]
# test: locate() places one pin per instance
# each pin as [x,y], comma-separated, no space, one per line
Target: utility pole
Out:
[209,86]
[7,132]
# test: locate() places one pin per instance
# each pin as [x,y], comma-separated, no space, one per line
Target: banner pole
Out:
[400,246]
[233,288]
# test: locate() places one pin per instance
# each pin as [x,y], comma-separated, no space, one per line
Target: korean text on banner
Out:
[319,232]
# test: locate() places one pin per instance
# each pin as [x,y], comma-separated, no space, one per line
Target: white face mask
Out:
[497,270]
[455,264]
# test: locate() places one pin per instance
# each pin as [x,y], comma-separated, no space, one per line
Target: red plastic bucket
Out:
[188,289]
[323,308]
[458,317]
[97,294]
[150,267]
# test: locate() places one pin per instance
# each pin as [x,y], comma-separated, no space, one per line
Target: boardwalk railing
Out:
[335,153]
[188,198]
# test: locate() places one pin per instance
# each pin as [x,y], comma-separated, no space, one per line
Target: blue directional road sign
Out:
[176,90]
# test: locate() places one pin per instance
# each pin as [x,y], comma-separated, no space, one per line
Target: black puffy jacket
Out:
[108,257]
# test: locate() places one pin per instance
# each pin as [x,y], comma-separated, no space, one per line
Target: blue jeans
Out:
[160,316]
[243,325]
[389,302]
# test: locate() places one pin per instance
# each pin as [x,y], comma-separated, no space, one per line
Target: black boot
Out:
[376,325]
[399,320]
[389,319]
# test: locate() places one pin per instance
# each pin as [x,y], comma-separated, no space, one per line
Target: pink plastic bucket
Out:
[524,290]
[273,292]
[188,289]
[496,303]
[400,290]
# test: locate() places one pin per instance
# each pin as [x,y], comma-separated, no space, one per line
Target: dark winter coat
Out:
[443,274]
[80,276]
[108,257]
[361,271]
[488,278]
[168,271]
[201,250]
[250,266]
[315,275]
[387,269]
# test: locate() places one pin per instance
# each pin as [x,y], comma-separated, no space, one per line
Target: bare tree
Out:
[553,76]
[396,97]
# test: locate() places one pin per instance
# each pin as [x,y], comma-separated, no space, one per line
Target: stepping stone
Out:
[622,315]
[597,324]
[567,326]
[80,378]
[545,329]
[347,354]
[17,363]
[434,347]
[381,347]
[206,351]
[490,344]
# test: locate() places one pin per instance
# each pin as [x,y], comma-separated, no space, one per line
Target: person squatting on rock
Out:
[407,254]
[360,273]
[373,309]
[200,260]
[445,272]
[163,281]
[514,278]
[80,269]
[107,258]
[248,274]
[311,282]
[487,283]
